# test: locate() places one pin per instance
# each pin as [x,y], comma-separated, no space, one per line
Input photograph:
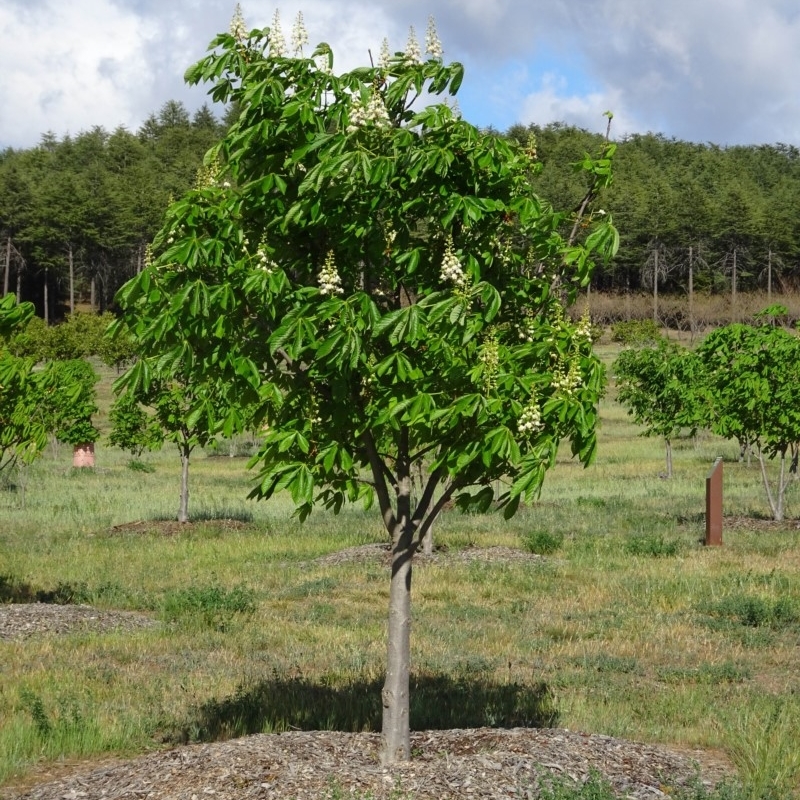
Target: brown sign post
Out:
[714,504]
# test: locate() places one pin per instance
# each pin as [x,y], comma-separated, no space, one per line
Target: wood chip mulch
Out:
[482,764]
[22,620]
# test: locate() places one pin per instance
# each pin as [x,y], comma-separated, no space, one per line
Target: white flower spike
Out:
[238,28]
[299,35]
[413,53]
[277,44]
[329,280]
[433,45]
[452,271]
[385,56]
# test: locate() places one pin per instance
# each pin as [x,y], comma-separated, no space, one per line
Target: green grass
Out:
[627,626]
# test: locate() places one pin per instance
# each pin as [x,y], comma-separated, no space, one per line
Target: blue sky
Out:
[721,71]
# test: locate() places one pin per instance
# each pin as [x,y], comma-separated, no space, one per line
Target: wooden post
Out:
[714,504]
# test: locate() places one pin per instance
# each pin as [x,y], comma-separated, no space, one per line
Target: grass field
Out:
[628,627]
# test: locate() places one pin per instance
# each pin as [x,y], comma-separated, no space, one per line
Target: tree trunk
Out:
[71,282]
[183,510]
[427,542]
[92,293]
[769,277]
[7,272]
[655,286]
[669,457]
[396,727]
[775,509]
[46,299]
[691,293]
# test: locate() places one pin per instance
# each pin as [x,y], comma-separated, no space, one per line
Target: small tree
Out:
[179,413]
[69,400]
[659,386]
[380,281]
[752,375]
[58,400]
[132,428]
[23,434]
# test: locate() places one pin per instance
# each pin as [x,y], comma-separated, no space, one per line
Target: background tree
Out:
[58,400]
[153,411]
[659,385]
[752,375]
[23,435]
[68,401]
[382,282]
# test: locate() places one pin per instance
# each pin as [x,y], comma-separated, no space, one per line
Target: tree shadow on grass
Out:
[13,590]
[438,702]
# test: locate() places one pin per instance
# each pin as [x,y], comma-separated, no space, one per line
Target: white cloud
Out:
[67,67]
[705,70]
[552,102]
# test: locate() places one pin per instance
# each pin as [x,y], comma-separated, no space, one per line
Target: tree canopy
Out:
[378,279]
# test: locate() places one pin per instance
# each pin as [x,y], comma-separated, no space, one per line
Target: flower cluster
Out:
[530,147]
[263,260]
[277,44]
[206,176]
[451,266]
[433,45]
[583,330]
[178,232]
[312,411]
[323,64]
[567,379]
[389,235]
[299,35]
[528,328]
[385,55]
[238,28]
[502,249]
[374,113]
[413,54]
[530,420]
[490,359]
[329,280]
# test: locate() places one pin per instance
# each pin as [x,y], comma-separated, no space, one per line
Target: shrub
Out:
[755,612]
[211,605]
[543,543]
[636,332]
[654,545]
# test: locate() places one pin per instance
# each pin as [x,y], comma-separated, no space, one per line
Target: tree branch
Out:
[423,529]
[379,470]
[434,479]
